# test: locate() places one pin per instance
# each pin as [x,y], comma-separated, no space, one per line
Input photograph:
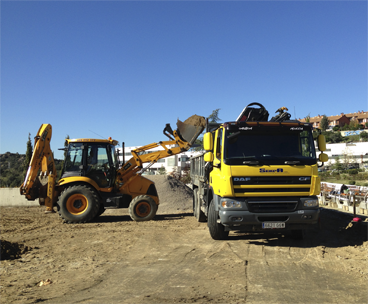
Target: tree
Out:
[316,133]
[354,125]
[324,123]
[162,171]
[307,118]
[345,127]
[174,173]
[348,158]
[335,137]
[213,118]
[29,153]
[337,164]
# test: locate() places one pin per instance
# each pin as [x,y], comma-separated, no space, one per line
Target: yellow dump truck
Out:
[257,175]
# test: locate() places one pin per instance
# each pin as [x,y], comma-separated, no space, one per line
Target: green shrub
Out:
[364,135]
[344,176]
[351,182]
[353,171]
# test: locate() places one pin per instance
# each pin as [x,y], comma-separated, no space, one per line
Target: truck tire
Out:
[78,204]
[217,231]
[198,213]
[142,208]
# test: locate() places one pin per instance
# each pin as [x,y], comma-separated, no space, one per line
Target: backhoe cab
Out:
[92,178]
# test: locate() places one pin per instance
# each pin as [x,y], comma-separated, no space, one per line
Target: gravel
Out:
[174,195]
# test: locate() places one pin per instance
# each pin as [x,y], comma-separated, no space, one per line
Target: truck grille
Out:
[272,180]
[249,185]
[271,206]
[266,190]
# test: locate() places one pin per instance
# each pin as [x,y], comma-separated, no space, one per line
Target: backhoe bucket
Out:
[191,128]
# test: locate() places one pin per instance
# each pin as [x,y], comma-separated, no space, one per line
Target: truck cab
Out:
[259,176]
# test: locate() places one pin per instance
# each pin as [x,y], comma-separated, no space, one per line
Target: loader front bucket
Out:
[191,128]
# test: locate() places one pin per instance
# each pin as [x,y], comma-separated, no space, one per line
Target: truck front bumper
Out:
[248,221]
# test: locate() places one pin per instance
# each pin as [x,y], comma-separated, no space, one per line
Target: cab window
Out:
[218,144]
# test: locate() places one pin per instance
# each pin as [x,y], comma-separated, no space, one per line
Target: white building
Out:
[351,153]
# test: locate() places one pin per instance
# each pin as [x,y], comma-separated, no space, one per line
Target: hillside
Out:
[12,169]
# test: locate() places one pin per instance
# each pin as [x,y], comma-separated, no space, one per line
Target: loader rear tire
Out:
[142,208]
[198,213]
[217,230]
[78,204]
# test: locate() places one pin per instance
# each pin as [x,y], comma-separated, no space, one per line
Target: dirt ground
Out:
[172,259]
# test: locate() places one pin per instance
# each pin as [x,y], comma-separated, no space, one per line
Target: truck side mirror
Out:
[321,140]
[208,157]
[323,157]
[208,141]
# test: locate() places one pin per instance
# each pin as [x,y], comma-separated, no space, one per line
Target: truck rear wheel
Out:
[142,208]
[197,212]
[217,231]
[78,204]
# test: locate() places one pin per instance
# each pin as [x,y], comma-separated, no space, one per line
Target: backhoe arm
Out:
[42,161]
[182,140]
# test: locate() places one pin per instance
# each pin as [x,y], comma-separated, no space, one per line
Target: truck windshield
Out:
[270,145]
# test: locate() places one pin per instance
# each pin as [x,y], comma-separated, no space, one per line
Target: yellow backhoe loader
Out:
[93,179]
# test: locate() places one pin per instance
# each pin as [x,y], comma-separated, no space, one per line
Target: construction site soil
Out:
[172,259]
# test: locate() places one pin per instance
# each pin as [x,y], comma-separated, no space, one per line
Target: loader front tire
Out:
[78,204]
[142,208]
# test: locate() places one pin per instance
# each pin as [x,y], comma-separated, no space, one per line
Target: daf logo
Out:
[241,179]
[303,179]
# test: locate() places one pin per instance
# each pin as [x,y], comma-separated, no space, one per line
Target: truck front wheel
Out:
[78,204]
[217,231]
[142,208]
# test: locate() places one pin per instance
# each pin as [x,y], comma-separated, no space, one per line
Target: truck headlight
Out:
[230,204]
[311,203]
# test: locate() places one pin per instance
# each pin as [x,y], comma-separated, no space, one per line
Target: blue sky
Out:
[126,68]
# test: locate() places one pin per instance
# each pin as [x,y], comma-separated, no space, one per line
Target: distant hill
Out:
[12,169]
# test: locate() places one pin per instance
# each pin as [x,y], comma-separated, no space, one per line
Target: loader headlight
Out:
[311,203]
[230,204]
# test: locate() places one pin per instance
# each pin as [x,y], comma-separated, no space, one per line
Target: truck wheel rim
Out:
[77,204]
[143,209]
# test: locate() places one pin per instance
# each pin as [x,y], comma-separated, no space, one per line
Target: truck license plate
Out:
[273,225]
